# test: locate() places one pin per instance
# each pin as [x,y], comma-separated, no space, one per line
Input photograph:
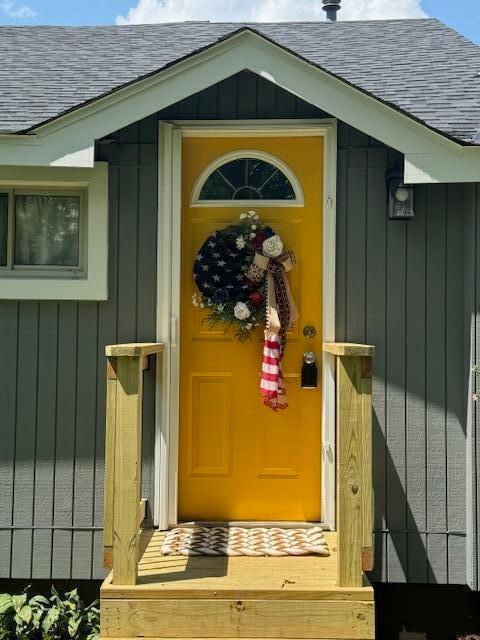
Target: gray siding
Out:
[405,287]
[400,286]
[242,96]
[52,386]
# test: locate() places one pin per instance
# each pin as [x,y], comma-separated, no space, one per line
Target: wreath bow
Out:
[281,310]
[281,314]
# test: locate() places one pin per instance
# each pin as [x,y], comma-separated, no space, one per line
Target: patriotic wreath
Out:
[240,275]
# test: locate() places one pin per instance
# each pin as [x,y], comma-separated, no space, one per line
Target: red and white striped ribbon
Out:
[271,384]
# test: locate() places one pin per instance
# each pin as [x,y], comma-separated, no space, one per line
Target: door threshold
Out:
[251,524]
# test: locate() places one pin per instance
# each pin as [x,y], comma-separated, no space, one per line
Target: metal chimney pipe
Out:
[331,7]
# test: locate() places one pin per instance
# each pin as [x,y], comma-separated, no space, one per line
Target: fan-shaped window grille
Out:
[247,178]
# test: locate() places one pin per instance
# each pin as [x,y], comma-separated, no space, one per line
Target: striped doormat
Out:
[243,541]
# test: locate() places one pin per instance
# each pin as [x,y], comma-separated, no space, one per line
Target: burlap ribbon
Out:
[281,310]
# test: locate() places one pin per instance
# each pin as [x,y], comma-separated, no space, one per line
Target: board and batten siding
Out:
[52,386]
[406,287]
[401,286]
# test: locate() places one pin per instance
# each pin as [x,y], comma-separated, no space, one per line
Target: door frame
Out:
[170,137]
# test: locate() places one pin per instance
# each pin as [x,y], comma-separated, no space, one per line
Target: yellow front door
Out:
[239,460]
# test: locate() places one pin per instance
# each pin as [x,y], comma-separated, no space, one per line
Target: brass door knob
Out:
[309,331]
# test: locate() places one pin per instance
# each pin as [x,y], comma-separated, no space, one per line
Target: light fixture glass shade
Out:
[402,194]
[400,199]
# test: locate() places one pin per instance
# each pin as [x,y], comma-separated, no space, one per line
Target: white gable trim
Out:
[69,140]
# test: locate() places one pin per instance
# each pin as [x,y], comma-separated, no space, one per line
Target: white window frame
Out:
[88,281]
[240,154]
[13,270]
[168,295]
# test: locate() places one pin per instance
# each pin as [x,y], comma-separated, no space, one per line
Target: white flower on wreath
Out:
[241,311]
[272,247]
[240,242]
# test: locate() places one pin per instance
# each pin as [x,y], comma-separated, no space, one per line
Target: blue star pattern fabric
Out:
[219,268]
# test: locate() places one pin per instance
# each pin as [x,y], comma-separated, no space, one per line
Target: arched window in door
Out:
[247,177]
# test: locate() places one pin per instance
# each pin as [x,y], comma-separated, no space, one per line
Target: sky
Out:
[462,15]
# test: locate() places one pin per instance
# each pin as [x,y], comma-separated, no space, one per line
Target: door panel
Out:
[210,437]
[279,435]
[239,460]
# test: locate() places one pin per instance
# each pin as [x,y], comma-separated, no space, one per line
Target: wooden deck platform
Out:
[236,597]
[154,597]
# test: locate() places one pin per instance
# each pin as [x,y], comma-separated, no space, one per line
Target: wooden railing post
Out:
[367,463]
[123,505]
[111,420]
[354,460]
[127,480]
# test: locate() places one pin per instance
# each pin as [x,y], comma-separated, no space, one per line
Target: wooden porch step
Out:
[237,619]
[249,598]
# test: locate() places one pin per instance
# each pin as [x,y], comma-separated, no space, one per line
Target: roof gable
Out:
[420,67]
[69,140]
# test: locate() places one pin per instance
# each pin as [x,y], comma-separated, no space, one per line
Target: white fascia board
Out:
[57,151]
[342,100]
[462,166]
[429,156]
[69,140]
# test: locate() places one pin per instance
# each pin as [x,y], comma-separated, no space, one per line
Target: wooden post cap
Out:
[134,349]
[348,349]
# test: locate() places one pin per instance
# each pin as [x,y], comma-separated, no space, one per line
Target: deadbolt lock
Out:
[309,357]
[309,371]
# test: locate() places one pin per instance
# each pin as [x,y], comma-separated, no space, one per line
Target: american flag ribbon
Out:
[271,383]
[281,313]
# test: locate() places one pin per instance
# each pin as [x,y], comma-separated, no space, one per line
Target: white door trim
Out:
[168,295]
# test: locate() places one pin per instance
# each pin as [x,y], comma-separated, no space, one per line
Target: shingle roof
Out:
[419,66]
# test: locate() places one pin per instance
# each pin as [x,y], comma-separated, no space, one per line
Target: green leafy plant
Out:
[68,618]
[21,618]
[56,618]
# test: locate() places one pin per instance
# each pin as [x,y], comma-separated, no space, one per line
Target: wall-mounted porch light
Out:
[400,197]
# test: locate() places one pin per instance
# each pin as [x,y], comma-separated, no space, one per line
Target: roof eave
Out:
[243,29]
[69,139]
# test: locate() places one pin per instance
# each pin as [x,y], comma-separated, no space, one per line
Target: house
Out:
[112,142]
